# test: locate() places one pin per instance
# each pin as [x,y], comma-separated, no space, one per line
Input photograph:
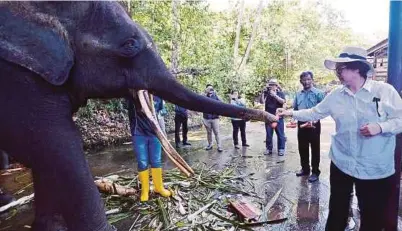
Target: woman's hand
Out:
[370,129]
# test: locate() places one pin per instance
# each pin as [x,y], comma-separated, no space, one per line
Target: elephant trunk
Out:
[171,90]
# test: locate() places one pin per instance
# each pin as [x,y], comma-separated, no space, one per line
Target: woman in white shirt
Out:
[368,115]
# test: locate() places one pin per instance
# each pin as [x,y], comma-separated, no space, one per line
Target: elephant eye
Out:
[130,47]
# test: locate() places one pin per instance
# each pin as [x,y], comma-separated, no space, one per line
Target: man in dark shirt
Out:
[273,99]
[180,119]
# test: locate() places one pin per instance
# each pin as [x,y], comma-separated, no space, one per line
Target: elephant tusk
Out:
[149,99]
[167,147]
[169,150]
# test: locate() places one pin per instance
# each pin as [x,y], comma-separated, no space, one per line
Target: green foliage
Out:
[94,105]
[292,37]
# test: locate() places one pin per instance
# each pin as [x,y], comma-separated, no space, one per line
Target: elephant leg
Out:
[62,180]
[47,216]
[37,129]
[68,183]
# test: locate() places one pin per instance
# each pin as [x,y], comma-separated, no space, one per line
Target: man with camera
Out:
[273,98]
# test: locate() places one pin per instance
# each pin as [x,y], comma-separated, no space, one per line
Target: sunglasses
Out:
[339,69]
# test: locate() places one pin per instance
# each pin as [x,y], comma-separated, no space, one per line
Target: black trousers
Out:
[372,196]
[309,137]
[4,161]
[239,124]
[178,122]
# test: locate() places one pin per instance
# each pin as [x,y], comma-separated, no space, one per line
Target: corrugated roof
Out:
[378,46]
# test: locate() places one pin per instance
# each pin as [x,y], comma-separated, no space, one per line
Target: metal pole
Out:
[395,79]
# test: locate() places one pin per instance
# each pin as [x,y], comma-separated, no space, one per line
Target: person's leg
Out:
[155,158]
[140,146]
[242,126]
[208,127]
[177,123]
[315,149]
[235,134]
[4,161]
[280,132]
[268,139]
[339,200]
[372,198]
[5,198]
[185,130]
[215,129]
[304,151]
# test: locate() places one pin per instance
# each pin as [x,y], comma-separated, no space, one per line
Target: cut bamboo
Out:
[21,201]
[167,147]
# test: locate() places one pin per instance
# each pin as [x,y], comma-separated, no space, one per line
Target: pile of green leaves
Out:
[207,186]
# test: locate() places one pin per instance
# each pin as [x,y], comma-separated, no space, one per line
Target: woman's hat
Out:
[273,82]
[349,54]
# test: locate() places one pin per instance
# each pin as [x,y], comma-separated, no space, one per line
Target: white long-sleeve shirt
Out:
[356,155]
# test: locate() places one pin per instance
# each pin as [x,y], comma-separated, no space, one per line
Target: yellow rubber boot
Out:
[158,182]
[143,176]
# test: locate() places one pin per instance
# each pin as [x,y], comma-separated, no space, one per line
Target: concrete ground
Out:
[304,204]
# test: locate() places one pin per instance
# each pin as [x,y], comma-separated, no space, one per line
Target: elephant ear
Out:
[37,42]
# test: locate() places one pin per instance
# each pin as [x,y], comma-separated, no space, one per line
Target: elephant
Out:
[54,56]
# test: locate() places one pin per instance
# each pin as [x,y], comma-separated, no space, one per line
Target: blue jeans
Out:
[148,150]
[280,133]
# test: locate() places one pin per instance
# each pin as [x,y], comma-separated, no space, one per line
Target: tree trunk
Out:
[253,32]
[175,42]
[238,29]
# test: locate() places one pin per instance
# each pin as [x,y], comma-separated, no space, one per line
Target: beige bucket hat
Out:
[273,82]
[349,54]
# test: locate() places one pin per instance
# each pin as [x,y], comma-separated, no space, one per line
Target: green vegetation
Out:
[289,37]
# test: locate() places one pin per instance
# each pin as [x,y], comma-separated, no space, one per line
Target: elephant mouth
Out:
[147,107]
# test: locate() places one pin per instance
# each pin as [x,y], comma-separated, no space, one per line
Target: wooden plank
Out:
[245,209]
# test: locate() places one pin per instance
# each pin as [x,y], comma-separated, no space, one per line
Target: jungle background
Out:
[237,48]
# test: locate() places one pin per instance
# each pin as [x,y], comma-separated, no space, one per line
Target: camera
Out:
[233,98]
[267,90]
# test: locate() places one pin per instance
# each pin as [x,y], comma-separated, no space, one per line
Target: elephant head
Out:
[97,51]
[53,57]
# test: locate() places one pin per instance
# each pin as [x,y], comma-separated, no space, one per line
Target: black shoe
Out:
[209,147]
[236,146]
[220,150]
[186,144]
[302,173]
[245,145]
[177,145]
[313,178]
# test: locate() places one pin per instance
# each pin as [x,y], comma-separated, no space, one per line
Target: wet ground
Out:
[304,204]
